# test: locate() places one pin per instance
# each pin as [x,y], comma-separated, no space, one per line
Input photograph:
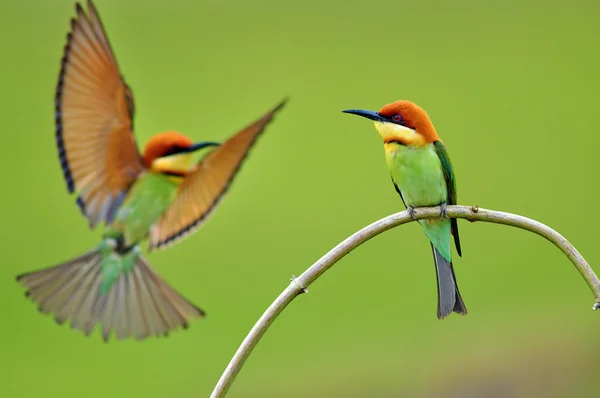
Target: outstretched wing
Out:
[440,149]
[205,185]
[94,112]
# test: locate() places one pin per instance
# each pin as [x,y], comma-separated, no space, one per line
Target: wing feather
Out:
[94,128]
[205,185]
[440,149]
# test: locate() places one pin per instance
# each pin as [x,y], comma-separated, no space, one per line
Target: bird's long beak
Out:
[368,114]
[198,146]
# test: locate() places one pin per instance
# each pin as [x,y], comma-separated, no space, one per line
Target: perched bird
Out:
[422,175]
[162,195]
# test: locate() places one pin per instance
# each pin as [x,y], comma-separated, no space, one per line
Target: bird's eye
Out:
[397,119]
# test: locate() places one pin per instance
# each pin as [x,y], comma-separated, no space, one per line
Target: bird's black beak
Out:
[198,146]
[368,114]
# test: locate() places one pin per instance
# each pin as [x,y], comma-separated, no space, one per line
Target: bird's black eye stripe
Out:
[173,150]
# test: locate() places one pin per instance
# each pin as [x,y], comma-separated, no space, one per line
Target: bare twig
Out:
[300,284]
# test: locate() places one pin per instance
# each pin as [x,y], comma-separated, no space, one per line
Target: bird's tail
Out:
[449,298]
[119,291]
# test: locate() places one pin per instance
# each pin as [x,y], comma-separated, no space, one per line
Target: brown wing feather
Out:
[94,111]
[203,187]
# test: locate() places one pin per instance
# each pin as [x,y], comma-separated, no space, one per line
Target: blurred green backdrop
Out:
[512,88]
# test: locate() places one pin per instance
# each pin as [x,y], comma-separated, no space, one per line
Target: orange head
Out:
[170,152]
[402,122]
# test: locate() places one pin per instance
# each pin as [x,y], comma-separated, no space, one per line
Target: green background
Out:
[512,88]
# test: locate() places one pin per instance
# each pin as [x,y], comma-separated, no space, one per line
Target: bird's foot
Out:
[412,212]
[443,210]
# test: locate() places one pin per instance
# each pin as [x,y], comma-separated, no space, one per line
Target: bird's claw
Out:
[412,212]
[444,210]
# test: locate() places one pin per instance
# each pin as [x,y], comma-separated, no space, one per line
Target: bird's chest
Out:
[418,174]
[146,201]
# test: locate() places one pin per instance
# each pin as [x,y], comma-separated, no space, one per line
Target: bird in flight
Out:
[422,175]
[160,195]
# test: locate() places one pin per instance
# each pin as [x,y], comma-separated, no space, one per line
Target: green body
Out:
[423,177]
[419,177]
[145,202]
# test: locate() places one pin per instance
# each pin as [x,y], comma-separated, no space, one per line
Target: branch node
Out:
[294,282]
[474,210]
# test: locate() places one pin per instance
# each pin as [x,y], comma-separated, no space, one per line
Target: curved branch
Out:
[299,285]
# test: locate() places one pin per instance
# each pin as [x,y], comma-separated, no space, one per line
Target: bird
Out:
[423,176]
[160,195]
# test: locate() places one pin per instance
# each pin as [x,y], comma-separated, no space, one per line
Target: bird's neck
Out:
[396,152]
[394,133]
[173,165]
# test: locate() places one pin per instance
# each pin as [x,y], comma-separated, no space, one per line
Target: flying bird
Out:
[422,175]
[160,195]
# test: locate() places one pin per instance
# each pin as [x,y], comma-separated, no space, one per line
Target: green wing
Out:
[440,149]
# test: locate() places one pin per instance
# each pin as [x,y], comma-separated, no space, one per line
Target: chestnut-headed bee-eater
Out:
[161,194]
[422,175]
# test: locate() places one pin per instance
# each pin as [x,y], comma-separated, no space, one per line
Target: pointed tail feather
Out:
[449,298]
[139,303]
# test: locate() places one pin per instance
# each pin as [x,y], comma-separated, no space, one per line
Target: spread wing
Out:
[440,149]
[205,185]
[94,111]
